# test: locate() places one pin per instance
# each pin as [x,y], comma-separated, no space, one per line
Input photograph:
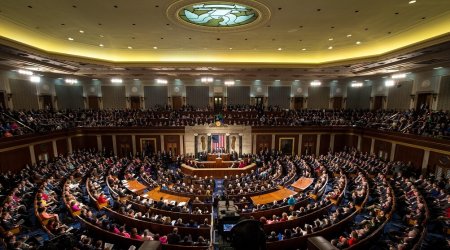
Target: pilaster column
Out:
[69,144]
[55,149]
[318,144]
[332,142]
[391,157]
[426,157]
[99,143]
[133,142]
[372,146]
[32,155]
[114,144]
[300,139]
[162,142]
[273,142]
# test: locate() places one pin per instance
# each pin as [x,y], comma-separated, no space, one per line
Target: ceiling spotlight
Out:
[155,47]
[356,84]
[389,83]
[207,79]
[35,79]
[412,1]
[101,45]
[304,49]
[398,76]
[358,42]
[136,79]
[315,83]
[331,47]
[349,35]
[116,80]
[71,81]
[230,48]
[280,49]
[129,47]
[330,39]
[81,31]
[70,39]
[101,35]
[229,82]
[438,68]
[161,81]
[25,72]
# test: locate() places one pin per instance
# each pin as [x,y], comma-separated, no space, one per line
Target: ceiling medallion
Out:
[217,15]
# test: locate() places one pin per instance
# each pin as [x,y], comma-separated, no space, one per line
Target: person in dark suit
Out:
[174,237]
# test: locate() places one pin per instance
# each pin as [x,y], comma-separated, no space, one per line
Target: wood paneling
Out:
[295,146]
[341,141]
[82,142]
[14,160]
[382,149]
[140,138]
[172,143]
[123,145]
[43,148]
[437,159]
[107,143]
[409,154]
[324,144]
[263,142]
[365,144]
[309,144]
[61,146]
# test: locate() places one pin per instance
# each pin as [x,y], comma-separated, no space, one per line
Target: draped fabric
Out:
[69,97]
[113,97]
[399,96]
[197,96]
[239,95]
[318,97]
[358,98]
[24,94]
[280,96]
[444,94]
[155,96]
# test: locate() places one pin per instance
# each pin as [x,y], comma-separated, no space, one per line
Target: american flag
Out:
[218,141]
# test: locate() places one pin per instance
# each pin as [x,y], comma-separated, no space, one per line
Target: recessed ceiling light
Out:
[304,49]
[412,1]
[81,31]
[129,47]
[280,49]
[330,39]
[349,35]
[101,45]
[230,48]
[331,47]
[70,39]
[101,35]
[155,47]
[136,79]
[358,42]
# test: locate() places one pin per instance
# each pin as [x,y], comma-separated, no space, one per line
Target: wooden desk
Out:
[273,196]
[212,157]
[216,172]
[302,183]
[156,194]
[136,187]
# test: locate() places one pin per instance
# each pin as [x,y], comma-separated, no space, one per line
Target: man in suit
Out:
[174,237]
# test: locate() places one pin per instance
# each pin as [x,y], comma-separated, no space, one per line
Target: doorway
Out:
[424,101]
[93,102]
[337,103]
[298,103]
[47,103]
[135,102]
[378,103]
[2,100]
[177,102]
[259,101]
[218,103]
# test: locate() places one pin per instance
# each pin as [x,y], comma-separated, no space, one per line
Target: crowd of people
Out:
[421,122]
